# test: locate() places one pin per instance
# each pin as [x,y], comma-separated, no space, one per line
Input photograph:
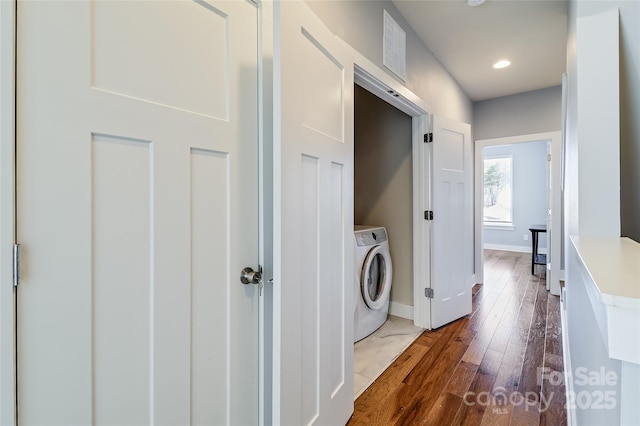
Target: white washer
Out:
[374,273]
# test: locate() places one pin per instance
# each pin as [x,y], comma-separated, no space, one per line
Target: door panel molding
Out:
[452,201]
[313,221]
[129,235]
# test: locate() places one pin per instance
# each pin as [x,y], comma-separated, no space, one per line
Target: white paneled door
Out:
[137,209]
[452,251]
[313,370]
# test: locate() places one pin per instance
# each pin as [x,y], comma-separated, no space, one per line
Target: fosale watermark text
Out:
[597,390]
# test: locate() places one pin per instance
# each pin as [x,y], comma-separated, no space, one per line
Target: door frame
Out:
[7,211]
[556,217]
[377,81]
[265,207]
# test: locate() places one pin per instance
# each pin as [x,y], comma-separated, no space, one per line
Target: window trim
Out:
[499,226]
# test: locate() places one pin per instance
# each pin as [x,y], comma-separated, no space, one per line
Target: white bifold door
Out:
[314,279]
[137,209]
[452,248]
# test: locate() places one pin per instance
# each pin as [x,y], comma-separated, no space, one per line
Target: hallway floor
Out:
[500,365]
[373,354]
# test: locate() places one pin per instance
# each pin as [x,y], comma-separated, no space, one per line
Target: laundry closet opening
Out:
[383,189]
[383,196]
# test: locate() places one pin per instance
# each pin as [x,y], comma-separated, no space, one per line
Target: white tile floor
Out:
[376,352]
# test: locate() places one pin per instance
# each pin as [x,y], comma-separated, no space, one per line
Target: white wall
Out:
[529,194]
[587,346]
[359,23]
[629,113]
[589,67]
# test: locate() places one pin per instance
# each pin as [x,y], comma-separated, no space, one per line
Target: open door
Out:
[313,230]
[452,250]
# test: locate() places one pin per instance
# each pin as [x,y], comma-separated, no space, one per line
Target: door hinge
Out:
[428,215]
[428,293]
[428,137]
[16,265]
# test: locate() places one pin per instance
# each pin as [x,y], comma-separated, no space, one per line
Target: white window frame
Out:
[497,225]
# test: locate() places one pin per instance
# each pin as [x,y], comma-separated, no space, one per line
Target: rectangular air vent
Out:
[394,47]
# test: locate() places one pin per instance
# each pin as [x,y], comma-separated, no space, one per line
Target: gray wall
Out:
[630,119]
[383,182]
[359,23]
[629,113]
[538,111]
[529,193]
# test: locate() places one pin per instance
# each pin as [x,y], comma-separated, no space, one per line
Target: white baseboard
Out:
[519,249]
[566,361]
[400,310]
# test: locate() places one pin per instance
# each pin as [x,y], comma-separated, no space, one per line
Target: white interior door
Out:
[452,251]
[137,209]
[314,279]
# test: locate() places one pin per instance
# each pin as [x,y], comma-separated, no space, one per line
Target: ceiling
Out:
[468,40]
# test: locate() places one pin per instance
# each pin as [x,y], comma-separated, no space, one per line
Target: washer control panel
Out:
[371,238]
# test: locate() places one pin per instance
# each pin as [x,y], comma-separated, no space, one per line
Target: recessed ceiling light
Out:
[501,64]
[474,3]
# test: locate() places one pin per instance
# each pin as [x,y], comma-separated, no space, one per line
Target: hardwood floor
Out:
[500,365]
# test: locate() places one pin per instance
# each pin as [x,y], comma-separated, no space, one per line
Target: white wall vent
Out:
[394,47]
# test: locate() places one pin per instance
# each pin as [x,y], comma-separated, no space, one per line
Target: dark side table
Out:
[537,259]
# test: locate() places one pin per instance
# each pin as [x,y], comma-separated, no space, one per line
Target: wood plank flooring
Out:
[500,365]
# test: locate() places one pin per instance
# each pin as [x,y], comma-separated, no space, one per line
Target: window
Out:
[498,191]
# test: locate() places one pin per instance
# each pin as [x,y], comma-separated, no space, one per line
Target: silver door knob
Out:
[249,276]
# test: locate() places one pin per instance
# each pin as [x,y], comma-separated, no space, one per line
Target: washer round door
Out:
[375,281]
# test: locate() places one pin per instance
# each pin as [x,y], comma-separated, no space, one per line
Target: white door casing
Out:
[425,160]
[137,209]
[554,197]
[452,250]
[313,232]
[369,76]
[549,222]
[7,223]
[380,83]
